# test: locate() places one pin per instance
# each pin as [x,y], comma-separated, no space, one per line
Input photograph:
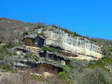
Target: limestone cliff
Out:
[84,48]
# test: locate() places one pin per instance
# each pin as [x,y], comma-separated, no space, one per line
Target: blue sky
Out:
[91,18]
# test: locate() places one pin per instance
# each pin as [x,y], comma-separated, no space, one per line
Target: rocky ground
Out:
[25,78]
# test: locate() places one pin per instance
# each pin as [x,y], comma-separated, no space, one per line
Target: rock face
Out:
[84,48]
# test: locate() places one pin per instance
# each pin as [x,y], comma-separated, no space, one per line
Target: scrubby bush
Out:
[51,49]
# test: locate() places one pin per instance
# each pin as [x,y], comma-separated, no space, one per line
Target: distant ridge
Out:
[11,20]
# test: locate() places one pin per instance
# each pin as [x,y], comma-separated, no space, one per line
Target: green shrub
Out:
[6,67]
[38,78]
[110,49]
[46,48]
[32,56]
[4,51]
[66,68]
[101,63]
[63,75]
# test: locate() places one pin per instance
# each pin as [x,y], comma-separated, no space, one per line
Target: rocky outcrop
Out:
[84,48]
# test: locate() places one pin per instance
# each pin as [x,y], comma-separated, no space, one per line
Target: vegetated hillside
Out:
[77,72]
[11,31]
[107,46]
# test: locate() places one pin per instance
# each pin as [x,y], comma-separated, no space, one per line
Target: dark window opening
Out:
[39,41]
